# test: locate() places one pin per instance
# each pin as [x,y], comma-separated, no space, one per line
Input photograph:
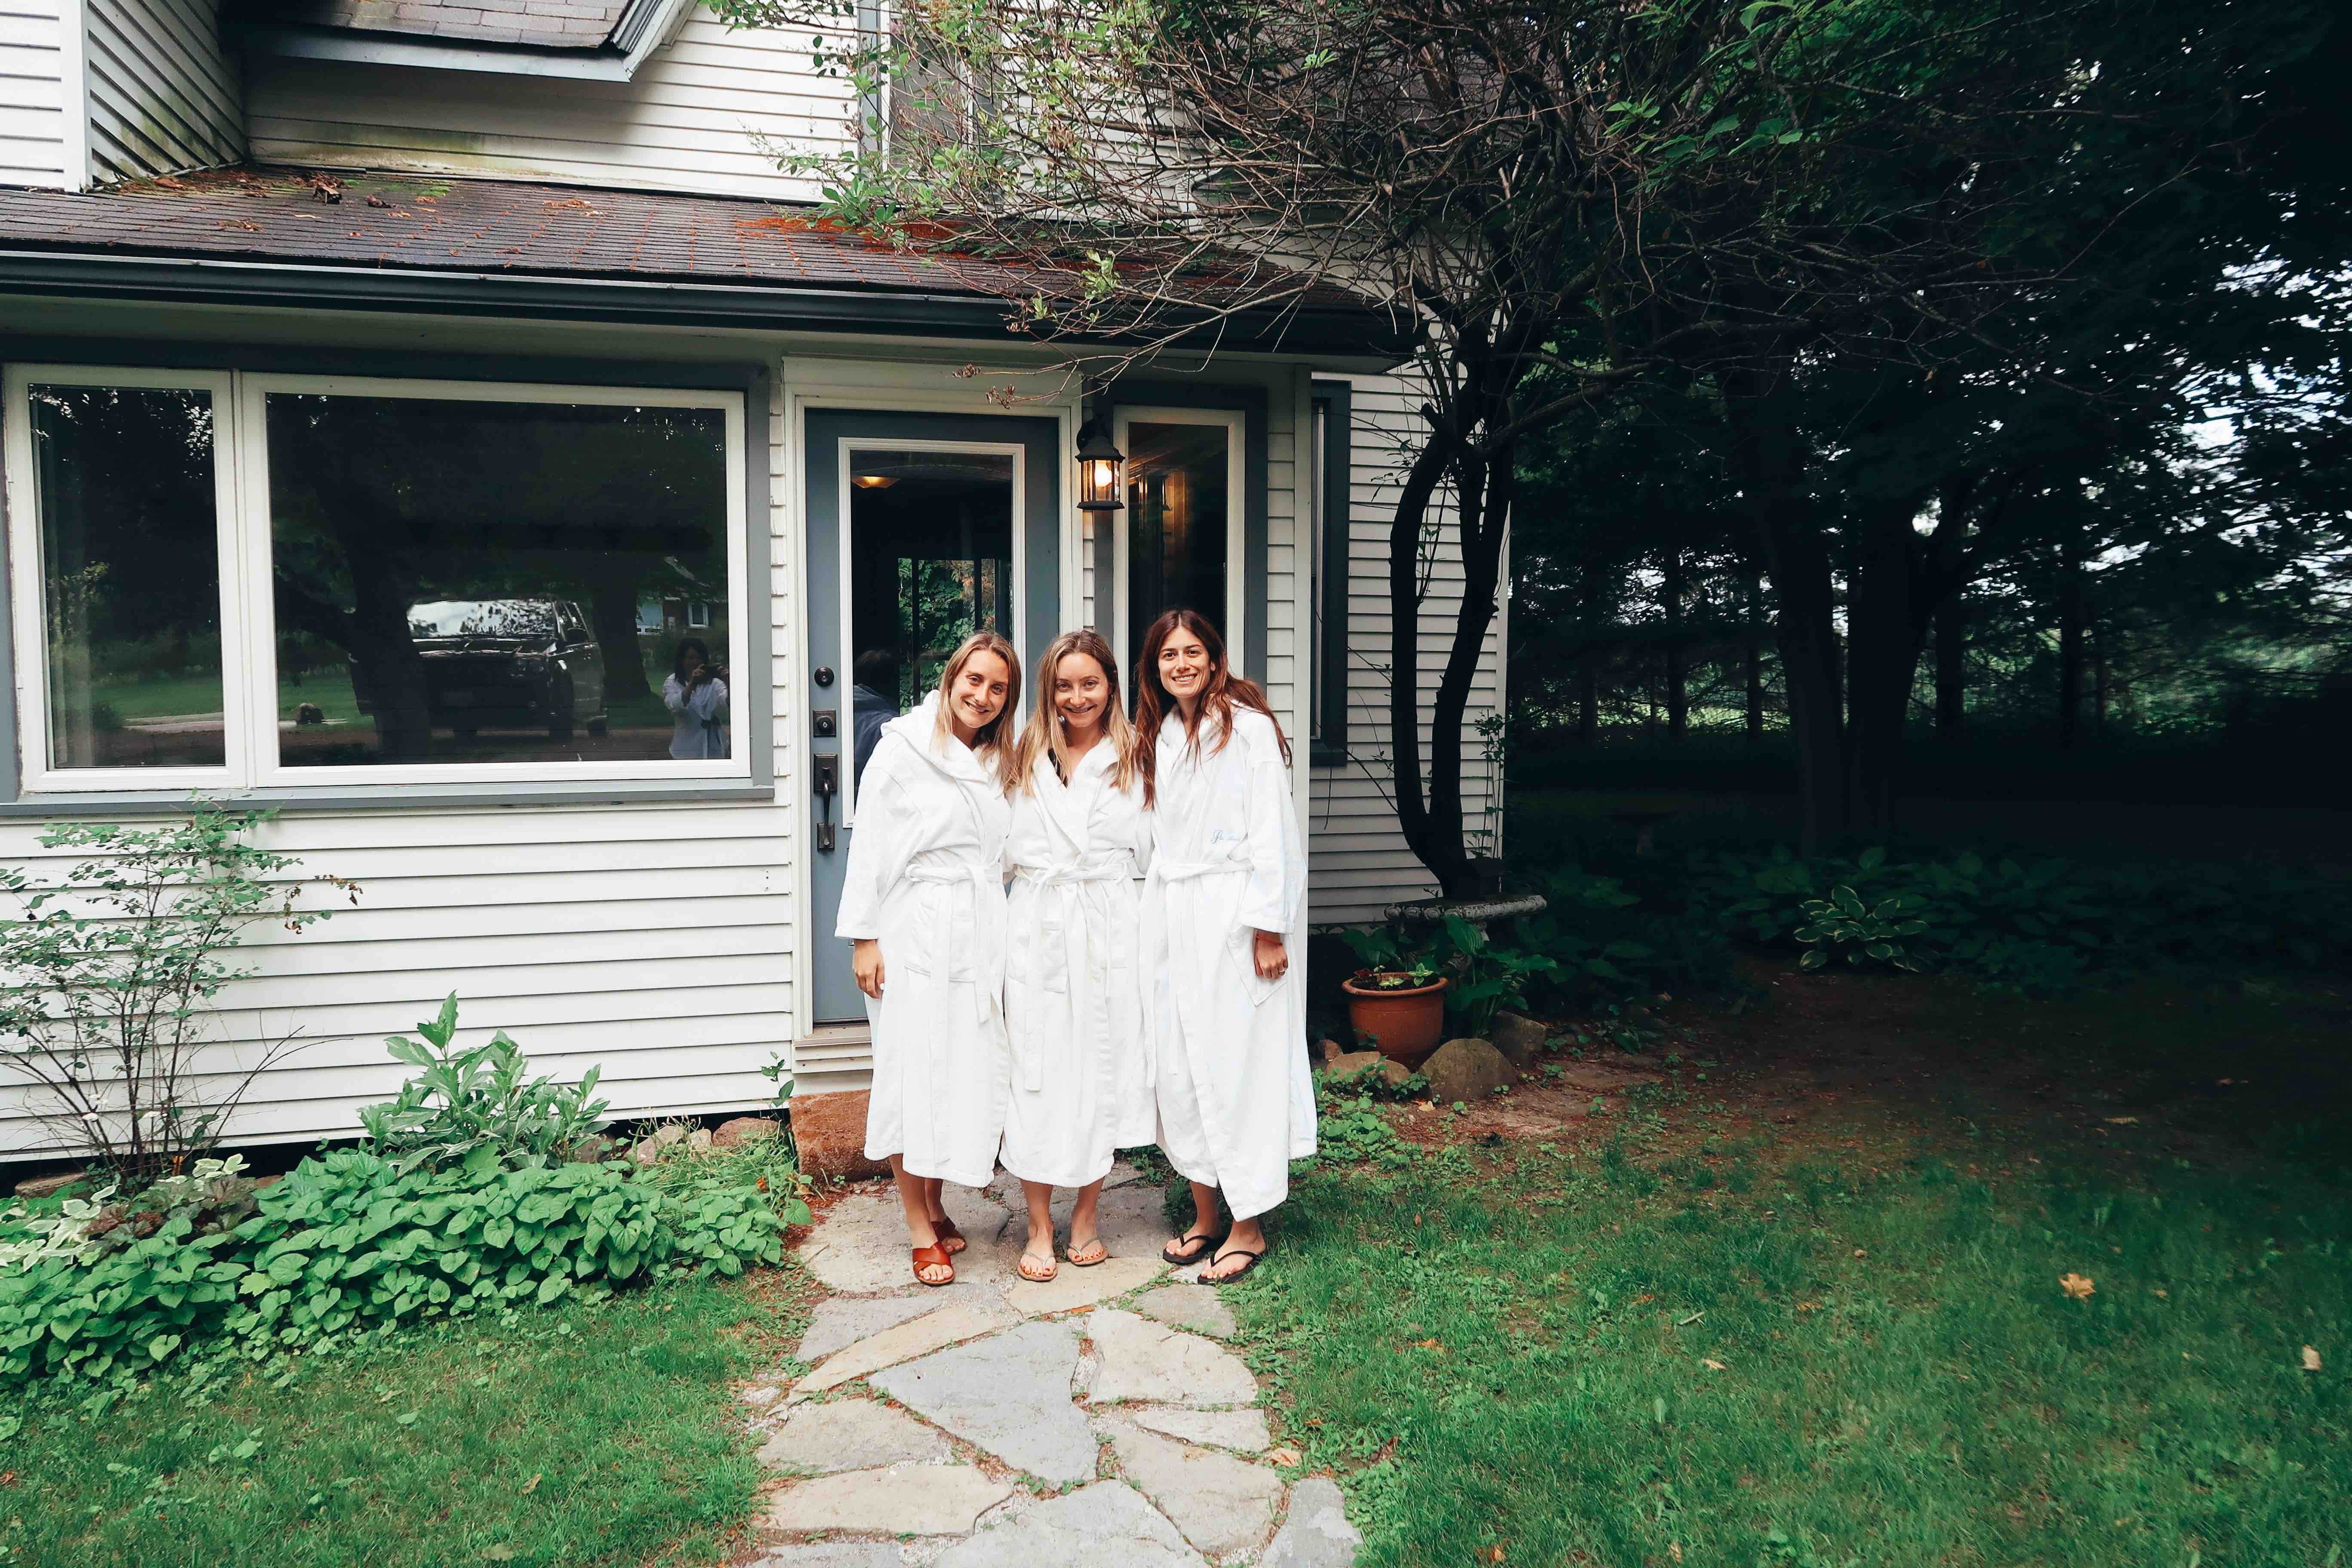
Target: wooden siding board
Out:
[33,138]
[163,95]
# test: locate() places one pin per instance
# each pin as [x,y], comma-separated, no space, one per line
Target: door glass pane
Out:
[930,562]
[469,582]
[1175,525]
[130,575]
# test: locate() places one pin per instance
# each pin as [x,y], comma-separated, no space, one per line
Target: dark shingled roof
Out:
[550,24]
[507,226]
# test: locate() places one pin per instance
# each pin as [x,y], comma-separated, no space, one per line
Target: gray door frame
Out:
[1037,444]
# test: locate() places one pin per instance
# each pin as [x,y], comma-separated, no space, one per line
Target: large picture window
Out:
[254,580]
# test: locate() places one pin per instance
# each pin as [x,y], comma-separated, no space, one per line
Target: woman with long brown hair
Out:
[1072,996]
[922,905]
[1224,910]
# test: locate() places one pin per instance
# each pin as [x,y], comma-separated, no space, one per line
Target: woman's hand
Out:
[865,962]
[1273,960]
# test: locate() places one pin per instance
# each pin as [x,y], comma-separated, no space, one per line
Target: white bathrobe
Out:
[1229,1049]
[1073,995]
[925,877]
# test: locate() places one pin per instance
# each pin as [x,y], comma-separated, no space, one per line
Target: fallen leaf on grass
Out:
[1858,1252]
[1713,1365]
[2310,1359]
[2076,1286]
[2122,1120]
[1809,1306]
[2163,1295]
[1494,1554]
[1675,1550]
[1288,1457]
[1429,1345]
[532,1485]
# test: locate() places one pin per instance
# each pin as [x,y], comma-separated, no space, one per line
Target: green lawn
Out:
[574,1437]
[329,688]
[1508,1345]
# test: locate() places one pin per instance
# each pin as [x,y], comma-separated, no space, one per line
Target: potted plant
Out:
[1400,1011]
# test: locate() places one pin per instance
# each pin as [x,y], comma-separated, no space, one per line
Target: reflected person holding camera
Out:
[696,695]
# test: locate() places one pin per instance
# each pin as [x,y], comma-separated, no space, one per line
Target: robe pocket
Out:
[922,923]
[1257,988]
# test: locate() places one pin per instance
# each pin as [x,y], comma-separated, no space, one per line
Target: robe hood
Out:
[943,753]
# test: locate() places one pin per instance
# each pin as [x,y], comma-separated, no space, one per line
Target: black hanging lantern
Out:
[1100,459]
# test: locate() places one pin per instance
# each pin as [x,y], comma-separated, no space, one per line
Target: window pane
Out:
[130,577]
[463,581]
[930,562]
[1176,525]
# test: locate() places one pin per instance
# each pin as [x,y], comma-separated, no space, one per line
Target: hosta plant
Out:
[1843,924]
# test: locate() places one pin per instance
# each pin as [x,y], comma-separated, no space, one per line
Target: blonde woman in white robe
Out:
[923,908]
[1223,909]
[1072,996]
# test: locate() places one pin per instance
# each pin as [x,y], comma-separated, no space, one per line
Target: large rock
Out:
[1519,1037]
[1317,1535]
[959,1320]
[653,1145]
[904,1499]
[736,1132]
[851,1434]
[1105,1525]
[1223,1504]
[50,1185]
[830,1130]
[1009,1394]
[1467,1071]
[1341,1067]
[1141,1360]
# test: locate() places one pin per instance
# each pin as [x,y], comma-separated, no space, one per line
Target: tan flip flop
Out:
[1023,1268]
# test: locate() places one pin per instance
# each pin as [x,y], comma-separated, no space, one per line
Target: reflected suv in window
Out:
[505,664]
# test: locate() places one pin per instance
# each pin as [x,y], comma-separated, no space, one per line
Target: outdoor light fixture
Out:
[1098,464]
[873,482]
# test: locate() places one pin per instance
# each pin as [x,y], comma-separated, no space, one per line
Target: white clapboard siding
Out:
[1358,860]
[162,92]
[707,112]
[34,91]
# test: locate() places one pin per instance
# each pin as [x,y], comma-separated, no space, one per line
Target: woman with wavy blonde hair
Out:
[1073,995]
[922,906]
[1224,910]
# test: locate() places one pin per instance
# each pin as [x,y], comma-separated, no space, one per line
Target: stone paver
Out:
[846,1320]
[1150,1364]
[836,1554]
[1223,1504]
[1186,1307]
[851,1434]
[1073,1288]
[1009,1394]
[859,1246]
[1241,1430]
[964,1319]
[1105,1525]
[903,1500]
[1317,1535]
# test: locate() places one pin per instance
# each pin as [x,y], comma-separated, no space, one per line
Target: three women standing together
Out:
[1078,941]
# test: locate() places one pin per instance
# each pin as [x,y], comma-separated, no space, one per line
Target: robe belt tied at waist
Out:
[1064,946]
[973,959]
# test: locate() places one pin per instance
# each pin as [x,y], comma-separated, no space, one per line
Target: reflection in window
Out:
[1176,525]
[478,582]
[931,564]
[130,577]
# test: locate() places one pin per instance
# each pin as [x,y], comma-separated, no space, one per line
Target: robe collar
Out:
[944,753]
[1069,807]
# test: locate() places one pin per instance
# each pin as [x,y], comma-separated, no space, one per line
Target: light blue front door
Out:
[923,528]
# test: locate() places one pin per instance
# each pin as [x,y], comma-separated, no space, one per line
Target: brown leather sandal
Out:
[933,1257]
[952,1240]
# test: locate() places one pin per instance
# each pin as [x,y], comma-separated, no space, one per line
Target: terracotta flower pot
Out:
[1407,1025]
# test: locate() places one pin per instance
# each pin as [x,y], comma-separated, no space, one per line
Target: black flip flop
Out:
[1196,1248]
[1238,1274]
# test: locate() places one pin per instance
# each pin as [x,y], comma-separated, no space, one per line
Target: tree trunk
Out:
[1588,700]
[1882,644]
[1951,665]
[1752,657]
[1769,460]
[2070,643]
[2098,676]
[612,607]
[1432,821]
[1670,600]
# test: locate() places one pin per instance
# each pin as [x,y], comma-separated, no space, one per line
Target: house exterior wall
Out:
[1358,862]
[164,94]
[41,76]
[694,118]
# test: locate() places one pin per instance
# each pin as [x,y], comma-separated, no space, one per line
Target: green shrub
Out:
[349,1242]
[462,1101]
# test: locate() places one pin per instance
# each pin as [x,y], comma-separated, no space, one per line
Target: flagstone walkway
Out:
[997,1423]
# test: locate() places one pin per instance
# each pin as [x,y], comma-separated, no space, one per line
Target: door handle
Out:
[825,781]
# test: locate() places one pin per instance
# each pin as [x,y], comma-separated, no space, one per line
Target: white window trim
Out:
[248,619]
[30,615]
[845,725]
[1236,424]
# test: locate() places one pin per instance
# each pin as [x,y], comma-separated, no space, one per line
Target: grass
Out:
[1505,1349]
[578,1438]
[329,688]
